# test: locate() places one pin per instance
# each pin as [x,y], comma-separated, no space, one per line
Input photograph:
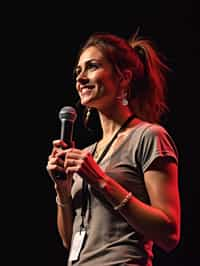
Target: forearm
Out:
[151,222]
[64,220]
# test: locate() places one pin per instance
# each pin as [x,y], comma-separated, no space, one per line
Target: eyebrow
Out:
[90,60]
[78,67]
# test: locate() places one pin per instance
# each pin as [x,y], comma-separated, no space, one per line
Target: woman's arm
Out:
[63,191]
[159,221]
[64,215]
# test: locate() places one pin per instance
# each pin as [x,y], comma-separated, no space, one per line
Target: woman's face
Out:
[96,82]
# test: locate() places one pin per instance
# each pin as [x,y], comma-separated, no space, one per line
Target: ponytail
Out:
[149,100]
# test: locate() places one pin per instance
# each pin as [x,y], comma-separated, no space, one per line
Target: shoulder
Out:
[159,135]
[154,130]
[146,129]
[156,138]
[149,131]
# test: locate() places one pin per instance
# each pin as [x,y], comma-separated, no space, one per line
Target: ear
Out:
[126,78]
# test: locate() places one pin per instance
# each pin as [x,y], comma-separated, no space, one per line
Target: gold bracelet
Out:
[60,204]
[123,202]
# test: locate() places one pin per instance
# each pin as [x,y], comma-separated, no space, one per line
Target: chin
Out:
[89,102]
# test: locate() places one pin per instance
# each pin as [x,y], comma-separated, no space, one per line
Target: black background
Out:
[44,41]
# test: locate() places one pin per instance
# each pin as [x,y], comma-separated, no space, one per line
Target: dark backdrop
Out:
[49,45]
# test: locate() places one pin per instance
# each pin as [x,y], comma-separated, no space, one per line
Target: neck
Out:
[102,146]
[112,122]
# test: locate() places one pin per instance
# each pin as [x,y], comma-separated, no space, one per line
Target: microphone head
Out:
[68,113]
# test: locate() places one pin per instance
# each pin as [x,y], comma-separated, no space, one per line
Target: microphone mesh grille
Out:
[68,113]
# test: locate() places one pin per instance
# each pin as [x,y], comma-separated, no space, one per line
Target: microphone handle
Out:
[65,135]
[67,132]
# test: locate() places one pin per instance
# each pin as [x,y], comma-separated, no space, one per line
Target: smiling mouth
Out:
[85,90]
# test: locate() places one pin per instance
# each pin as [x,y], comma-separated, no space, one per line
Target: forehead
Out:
[91,53]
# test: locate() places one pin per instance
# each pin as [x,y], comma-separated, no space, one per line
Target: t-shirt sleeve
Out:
[155,142]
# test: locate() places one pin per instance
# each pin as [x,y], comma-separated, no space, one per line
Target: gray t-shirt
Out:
[110,239]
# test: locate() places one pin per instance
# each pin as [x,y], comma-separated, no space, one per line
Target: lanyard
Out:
[85,192]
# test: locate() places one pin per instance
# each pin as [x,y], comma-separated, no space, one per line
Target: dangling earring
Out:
[87,116]
[124,99]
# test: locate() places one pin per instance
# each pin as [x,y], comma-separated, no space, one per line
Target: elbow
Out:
[170,243]
[170,239]
[65,244]
[66,241]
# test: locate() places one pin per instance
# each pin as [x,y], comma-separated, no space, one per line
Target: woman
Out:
[121,194]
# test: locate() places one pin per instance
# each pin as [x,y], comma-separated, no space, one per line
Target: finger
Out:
[56,161]
[57,153]
[53,170]
[70,170]
[70,162]
[59,143]
[73,153]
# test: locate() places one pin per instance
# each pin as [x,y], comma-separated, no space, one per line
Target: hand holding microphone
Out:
[67,116]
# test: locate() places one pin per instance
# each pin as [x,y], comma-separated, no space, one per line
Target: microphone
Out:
[67,116]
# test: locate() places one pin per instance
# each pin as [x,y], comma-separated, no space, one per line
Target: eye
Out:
[76,72]
[92,65]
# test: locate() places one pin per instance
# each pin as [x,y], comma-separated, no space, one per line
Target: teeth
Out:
[85,90]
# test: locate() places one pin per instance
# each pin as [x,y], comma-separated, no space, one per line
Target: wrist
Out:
[64,202]
[123,202]
[115,193]
[62,192]
[102,183]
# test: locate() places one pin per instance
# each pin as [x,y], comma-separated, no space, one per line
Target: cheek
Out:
[109,85]
[101,90]
[105,83]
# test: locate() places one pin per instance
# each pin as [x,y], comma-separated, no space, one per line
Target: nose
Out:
[82,79]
